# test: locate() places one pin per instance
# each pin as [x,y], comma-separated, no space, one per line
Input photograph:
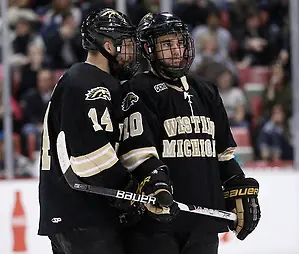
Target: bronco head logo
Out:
[112,13]
[128,101]
[98,93]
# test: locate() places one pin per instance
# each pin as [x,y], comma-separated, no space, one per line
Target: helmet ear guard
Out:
[148,51]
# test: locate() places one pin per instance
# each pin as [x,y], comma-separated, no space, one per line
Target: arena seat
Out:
[244,150]
[258,74]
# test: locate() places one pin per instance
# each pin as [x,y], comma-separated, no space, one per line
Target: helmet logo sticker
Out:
[111,13]
[148,16]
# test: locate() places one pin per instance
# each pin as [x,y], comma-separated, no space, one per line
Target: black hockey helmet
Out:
[108,23]
[172,31]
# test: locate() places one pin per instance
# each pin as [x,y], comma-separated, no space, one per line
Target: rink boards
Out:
[277,232]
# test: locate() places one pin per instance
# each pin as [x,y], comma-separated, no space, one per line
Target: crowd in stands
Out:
[242,46]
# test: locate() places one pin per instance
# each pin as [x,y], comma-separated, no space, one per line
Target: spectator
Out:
[54,16]
[20,162]
[208,53]
[193,12]
[238,11]
[279,27]
[213,28]
[28,72]
[254,47]
[278,13]
[34,106]
[21,9]
[259,28]
[41,6]
[17,114]
[278,92]
[233,99]
[63,45]
[23,37]
[274,142]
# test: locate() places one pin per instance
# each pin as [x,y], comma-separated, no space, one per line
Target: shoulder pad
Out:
[147,83]
[202,85]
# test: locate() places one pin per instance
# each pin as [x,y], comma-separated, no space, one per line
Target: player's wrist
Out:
[233,178]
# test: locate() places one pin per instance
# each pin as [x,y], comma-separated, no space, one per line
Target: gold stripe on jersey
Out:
[134,158]
[185,85]
[227,155]
[179,89]
[94,162]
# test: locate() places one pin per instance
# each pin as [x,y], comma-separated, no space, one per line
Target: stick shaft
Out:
[207,211]
[76,184]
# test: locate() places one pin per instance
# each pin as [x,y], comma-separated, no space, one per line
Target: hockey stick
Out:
[75,183]
[207,211]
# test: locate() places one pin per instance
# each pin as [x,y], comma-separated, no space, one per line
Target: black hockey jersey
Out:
[184,126]
[84,107]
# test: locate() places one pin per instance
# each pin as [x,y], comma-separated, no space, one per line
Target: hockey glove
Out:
[130,185]
[240,194]
[158,184]
[132,215]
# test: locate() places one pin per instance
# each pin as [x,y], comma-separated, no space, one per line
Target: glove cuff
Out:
[233,178]
[229,169]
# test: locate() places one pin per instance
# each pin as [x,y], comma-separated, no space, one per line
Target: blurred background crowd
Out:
[242,46]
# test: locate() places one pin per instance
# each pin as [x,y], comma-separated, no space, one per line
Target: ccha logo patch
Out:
[160,87]
[129,101]
[98,93]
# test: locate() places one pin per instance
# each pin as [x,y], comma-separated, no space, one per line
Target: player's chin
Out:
[177,62]
[126,62]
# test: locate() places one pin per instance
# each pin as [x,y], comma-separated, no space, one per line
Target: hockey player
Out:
[81,119]
[176,130]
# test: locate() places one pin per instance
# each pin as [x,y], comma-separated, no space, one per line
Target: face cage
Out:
[172,62]
[127,55]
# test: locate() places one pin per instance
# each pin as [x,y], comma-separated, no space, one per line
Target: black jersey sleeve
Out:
[138,143]
[225,143]
[89,129]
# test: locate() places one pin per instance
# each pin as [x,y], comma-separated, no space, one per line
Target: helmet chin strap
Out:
[111,59]
[168,80]
[106,54]
[160,73]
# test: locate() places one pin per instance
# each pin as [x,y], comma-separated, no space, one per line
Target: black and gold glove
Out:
[240,194]
[158,184]
[129,184]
